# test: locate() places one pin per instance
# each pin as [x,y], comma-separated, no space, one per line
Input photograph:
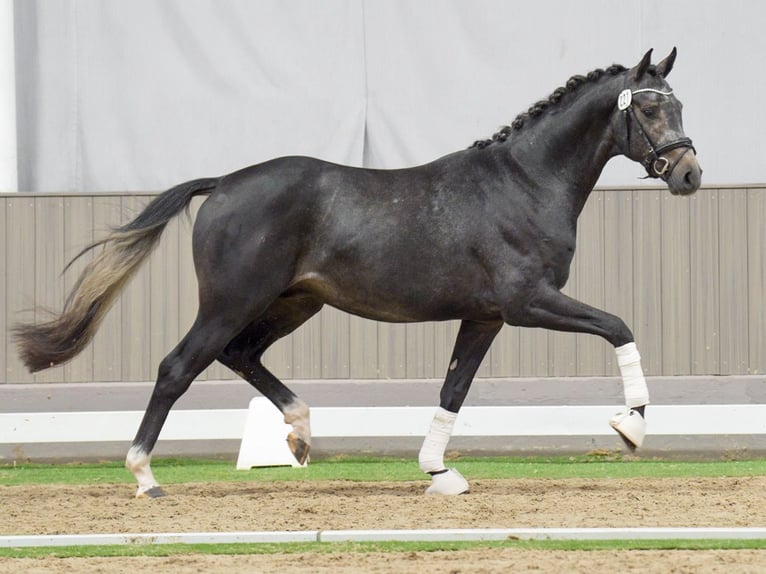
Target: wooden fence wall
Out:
[688,275]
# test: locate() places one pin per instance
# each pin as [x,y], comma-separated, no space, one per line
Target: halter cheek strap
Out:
[655,164]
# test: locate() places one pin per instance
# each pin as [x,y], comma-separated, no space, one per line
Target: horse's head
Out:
[649,119]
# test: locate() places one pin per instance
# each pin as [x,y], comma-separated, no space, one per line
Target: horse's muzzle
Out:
[686,176]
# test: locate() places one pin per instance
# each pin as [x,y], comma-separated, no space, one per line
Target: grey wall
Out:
[140,95]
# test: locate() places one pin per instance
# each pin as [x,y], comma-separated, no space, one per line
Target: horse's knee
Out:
[619,332]
[452,397]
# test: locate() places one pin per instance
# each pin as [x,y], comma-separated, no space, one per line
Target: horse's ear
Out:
[637,72]
[664,67]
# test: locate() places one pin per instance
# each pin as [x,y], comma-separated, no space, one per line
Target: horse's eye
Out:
[649,112]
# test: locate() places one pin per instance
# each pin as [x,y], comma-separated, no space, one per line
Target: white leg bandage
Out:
[431,457]
[636,391]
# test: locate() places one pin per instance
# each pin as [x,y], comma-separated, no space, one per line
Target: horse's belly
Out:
[401,301]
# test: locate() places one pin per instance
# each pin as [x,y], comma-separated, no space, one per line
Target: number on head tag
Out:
[624,99]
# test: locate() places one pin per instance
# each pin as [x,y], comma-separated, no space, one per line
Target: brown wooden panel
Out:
[419,351]
[734,320]
[647,296]
[307,349]
[392,353]
[504,353]
[704,293]
[756,273]
[686,274]
[335,343]
[279,358]
[589,280]
[533,353]
[676,285]
[20,236]
[49,263]
[363,352]
[619,283]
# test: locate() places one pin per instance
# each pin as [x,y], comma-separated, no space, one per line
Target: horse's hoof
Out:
[153,492]
[631,427]
[299,447]
[450,482]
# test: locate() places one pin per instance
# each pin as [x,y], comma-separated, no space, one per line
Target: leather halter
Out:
[656,165]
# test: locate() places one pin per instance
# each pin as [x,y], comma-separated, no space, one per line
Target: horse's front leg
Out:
[473,341]
[551,309]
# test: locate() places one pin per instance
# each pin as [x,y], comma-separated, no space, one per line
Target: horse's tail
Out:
[59,340]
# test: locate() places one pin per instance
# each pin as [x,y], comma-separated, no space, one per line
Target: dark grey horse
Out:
[485,235]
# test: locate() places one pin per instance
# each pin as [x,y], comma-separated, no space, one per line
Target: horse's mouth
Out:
[688,190]
[687,175]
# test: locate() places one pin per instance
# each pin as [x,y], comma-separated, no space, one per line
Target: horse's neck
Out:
[566,151]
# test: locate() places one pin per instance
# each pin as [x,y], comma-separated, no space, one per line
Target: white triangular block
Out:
[265,440]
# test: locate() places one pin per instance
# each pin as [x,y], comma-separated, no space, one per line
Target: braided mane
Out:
[537,109]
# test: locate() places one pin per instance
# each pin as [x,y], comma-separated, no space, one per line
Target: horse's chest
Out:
[558,250]
[540,253]
[557,257]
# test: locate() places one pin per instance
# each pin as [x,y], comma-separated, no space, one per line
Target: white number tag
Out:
[624,99]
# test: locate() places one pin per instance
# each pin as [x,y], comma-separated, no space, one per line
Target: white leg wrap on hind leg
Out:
[636,391]
[431,457]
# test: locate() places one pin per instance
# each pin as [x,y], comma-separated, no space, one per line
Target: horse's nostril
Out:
[688,177]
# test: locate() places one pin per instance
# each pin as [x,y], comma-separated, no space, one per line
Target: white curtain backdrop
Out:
[124,95]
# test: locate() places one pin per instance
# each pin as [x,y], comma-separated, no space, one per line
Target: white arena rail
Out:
[263,433]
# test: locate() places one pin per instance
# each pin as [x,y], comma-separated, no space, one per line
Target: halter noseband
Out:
[655,164]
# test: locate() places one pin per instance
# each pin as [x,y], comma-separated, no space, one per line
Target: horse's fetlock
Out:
[297,410]
[136,459]
[298,415]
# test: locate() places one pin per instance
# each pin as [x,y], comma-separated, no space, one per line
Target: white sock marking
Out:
[138,462]
[298,415]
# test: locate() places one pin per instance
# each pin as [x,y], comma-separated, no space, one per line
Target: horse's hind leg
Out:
[204,341]
[243,355]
